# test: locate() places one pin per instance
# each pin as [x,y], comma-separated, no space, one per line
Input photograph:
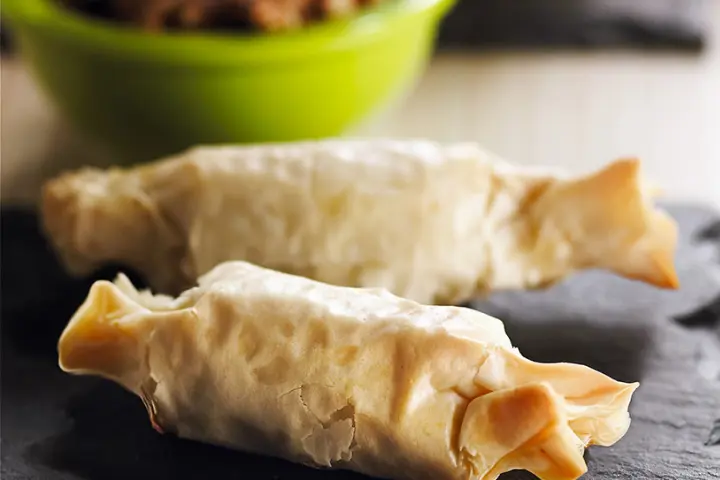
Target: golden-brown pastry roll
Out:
[430,222]
[337,377]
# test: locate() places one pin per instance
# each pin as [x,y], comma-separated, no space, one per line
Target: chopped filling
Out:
[263,15]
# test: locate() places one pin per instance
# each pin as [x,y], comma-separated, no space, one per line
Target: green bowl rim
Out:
[47,17]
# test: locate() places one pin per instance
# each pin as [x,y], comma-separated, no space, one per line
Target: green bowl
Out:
[146,95]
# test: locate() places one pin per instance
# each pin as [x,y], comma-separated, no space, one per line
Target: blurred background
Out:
[573,83]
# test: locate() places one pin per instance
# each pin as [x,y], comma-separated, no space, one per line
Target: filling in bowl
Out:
[263,15]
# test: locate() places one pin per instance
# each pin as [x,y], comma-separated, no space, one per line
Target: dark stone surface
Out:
[55,426]
[577,24]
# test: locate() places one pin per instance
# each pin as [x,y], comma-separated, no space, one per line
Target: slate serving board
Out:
[55,426]
[577,24]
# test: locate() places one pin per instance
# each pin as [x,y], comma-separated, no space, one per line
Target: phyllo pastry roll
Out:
[344,378]
[430,222]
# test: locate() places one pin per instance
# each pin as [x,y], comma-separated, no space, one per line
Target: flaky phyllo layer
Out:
[337,377]
[430,222]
